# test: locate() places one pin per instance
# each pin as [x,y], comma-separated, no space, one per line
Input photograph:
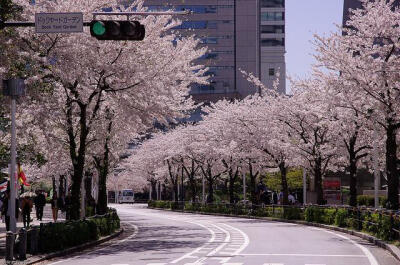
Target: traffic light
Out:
[117,30]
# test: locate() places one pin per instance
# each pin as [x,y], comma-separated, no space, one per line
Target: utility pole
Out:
[304,186]
[204,190]
[244,186]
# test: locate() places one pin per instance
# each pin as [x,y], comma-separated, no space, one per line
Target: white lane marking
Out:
[246,239]
[199,248]
[227,238]
[273,264]
[304,255]
[371,258]
[118,242]
[214,236]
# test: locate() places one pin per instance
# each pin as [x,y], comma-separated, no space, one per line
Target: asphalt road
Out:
[164,238]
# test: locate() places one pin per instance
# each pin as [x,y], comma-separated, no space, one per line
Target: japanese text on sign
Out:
[58,22]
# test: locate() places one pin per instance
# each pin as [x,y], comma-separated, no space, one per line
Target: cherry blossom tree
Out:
[83,81]
[367,56]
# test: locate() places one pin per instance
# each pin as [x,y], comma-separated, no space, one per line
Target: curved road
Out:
[165,238]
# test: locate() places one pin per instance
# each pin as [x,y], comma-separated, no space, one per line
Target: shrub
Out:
[292,213]
[365,200]
[340,217]
[369,201]
[57,236]
[328,216]
[314,214]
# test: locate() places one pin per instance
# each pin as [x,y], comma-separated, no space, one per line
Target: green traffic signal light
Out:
[98,28]
[117,30]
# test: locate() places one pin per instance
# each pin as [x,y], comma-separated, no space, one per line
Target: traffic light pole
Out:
[13,226]
[17,24]
[167,13]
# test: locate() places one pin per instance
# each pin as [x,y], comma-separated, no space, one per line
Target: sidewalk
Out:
[47,218]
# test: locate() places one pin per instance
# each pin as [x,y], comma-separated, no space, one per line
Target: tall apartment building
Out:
[244,35]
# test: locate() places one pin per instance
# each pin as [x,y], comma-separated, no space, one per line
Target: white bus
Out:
[126,196]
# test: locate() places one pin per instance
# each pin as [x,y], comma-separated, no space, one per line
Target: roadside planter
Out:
[52,237]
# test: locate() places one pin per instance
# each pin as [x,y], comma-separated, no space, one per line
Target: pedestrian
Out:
[6,210]
[40,202]
[275,198]
[68,204]
[54,206]
[291,199]
[280,198]
[26,206]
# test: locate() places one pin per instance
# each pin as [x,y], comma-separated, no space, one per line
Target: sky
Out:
[304,18]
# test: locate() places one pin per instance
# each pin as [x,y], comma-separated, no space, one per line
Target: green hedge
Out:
[58,236]
[378,224]
[369,201]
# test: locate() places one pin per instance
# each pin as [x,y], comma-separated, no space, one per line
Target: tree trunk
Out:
[175,184]
[153,189]
[232,179]
[210,198]
[253,194]
[76,191]
[283,170]
[318,182]
[102,196]
[193,188]
[182,188]
[353,175]
[78,158]
[391,168]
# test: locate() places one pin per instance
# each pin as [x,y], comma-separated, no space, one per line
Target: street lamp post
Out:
[376,172]
[13,88]
[373,118]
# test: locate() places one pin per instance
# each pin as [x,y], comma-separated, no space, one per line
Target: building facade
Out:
[246,35]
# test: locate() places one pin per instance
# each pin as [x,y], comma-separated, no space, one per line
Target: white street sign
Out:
[58,22]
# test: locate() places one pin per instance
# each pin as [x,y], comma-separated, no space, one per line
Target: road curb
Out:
[73,249]
[395,251]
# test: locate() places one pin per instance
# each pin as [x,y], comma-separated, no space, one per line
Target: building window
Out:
[209,40]
[272,3]
[272,29]
[202,24]
[271,71]
[272,16]
[198,9]
[273,42]
[211,55]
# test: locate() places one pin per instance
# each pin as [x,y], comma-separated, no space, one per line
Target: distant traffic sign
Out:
[58,22]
